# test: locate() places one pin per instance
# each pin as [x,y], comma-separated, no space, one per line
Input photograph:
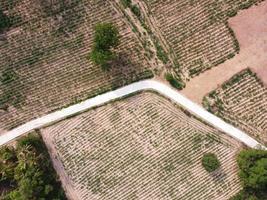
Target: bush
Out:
[136,11]
[178,84]
[126,3]
[4,21]
[210,162]
[106,37]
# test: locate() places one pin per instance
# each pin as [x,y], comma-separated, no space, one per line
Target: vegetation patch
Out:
[253,175]
[106,37]
[210,162]
[26,172]
[242,102]
[175,82]
[5,21]
[145,146]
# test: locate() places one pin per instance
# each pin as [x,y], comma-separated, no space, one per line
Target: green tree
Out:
[106,38]
[253,169]
[210,162]
[32,172]
[252,165]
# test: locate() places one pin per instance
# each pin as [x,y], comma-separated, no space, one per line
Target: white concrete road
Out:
[121,92]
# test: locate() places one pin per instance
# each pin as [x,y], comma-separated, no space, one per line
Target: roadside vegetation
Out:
[105,39]
[174,81]
[26,172]
[253,175]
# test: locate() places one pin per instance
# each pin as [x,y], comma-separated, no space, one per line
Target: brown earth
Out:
[250,27]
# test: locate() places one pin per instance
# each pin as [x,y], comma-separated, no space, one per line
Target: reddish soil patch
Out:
[250,27]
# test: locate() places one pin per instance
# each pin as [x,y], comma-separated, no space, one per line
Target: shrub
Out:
[210,162]
[8,76]
[136,11]
[126,3]
[178,84]
[4,21]
[106,37]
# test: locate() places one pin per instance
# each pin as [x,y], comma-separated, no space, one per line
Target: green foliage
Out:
[210,162]
[136,11]
[253,169]
[161,53]
[8,76]
[252,165]
[31,171]
[102,58]
[8,161]
[126,3]
[177,83]
[106,37]
[5,22]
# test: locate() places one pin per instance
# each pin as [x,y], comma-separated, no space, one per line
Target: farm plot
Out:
[241,101]
[197,32]
[44,50]
[143,147]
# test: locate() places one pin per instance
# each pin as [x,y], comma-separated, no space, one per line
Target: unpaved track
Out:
[127,90]
[250,27]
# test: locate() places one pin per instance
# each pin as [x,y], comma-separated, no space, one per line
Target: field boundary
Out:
[130,89]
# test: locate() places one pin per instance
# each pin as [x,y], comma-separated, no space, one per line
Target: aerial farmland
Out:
[133,100]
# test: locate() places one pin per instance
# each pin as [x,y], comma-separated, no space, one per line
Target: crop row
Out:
[143,147]
[46,59]
[197,31]
[242,101]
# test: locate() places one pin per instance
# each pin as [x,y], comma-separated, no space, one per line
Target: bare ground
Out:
[67,185]
[250,27]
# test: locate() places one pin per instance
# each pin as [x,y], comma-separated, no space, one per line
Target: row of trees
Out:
[26,172]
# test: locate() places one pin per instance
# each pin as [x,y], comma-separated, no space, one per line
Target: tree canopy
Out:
[210,162]
[28,172]
[106,37]
[252,165]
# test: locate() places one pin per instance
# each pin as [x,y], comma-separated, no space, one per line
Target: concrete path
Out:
[121,92]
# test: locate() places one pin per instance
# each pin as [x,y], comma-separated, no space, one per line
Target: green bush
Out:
[106,37]
[5,22]
[8,76]
[178,84]
[210,162]
[126,3]
[136,11]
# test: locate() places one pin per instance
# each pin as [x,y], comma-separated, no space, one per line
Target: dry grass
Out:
[143,147]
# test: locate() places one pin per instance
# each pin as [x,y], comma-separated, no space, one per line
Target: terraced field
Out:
[142,147]
[242,101]
[197,32]
[43,62]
